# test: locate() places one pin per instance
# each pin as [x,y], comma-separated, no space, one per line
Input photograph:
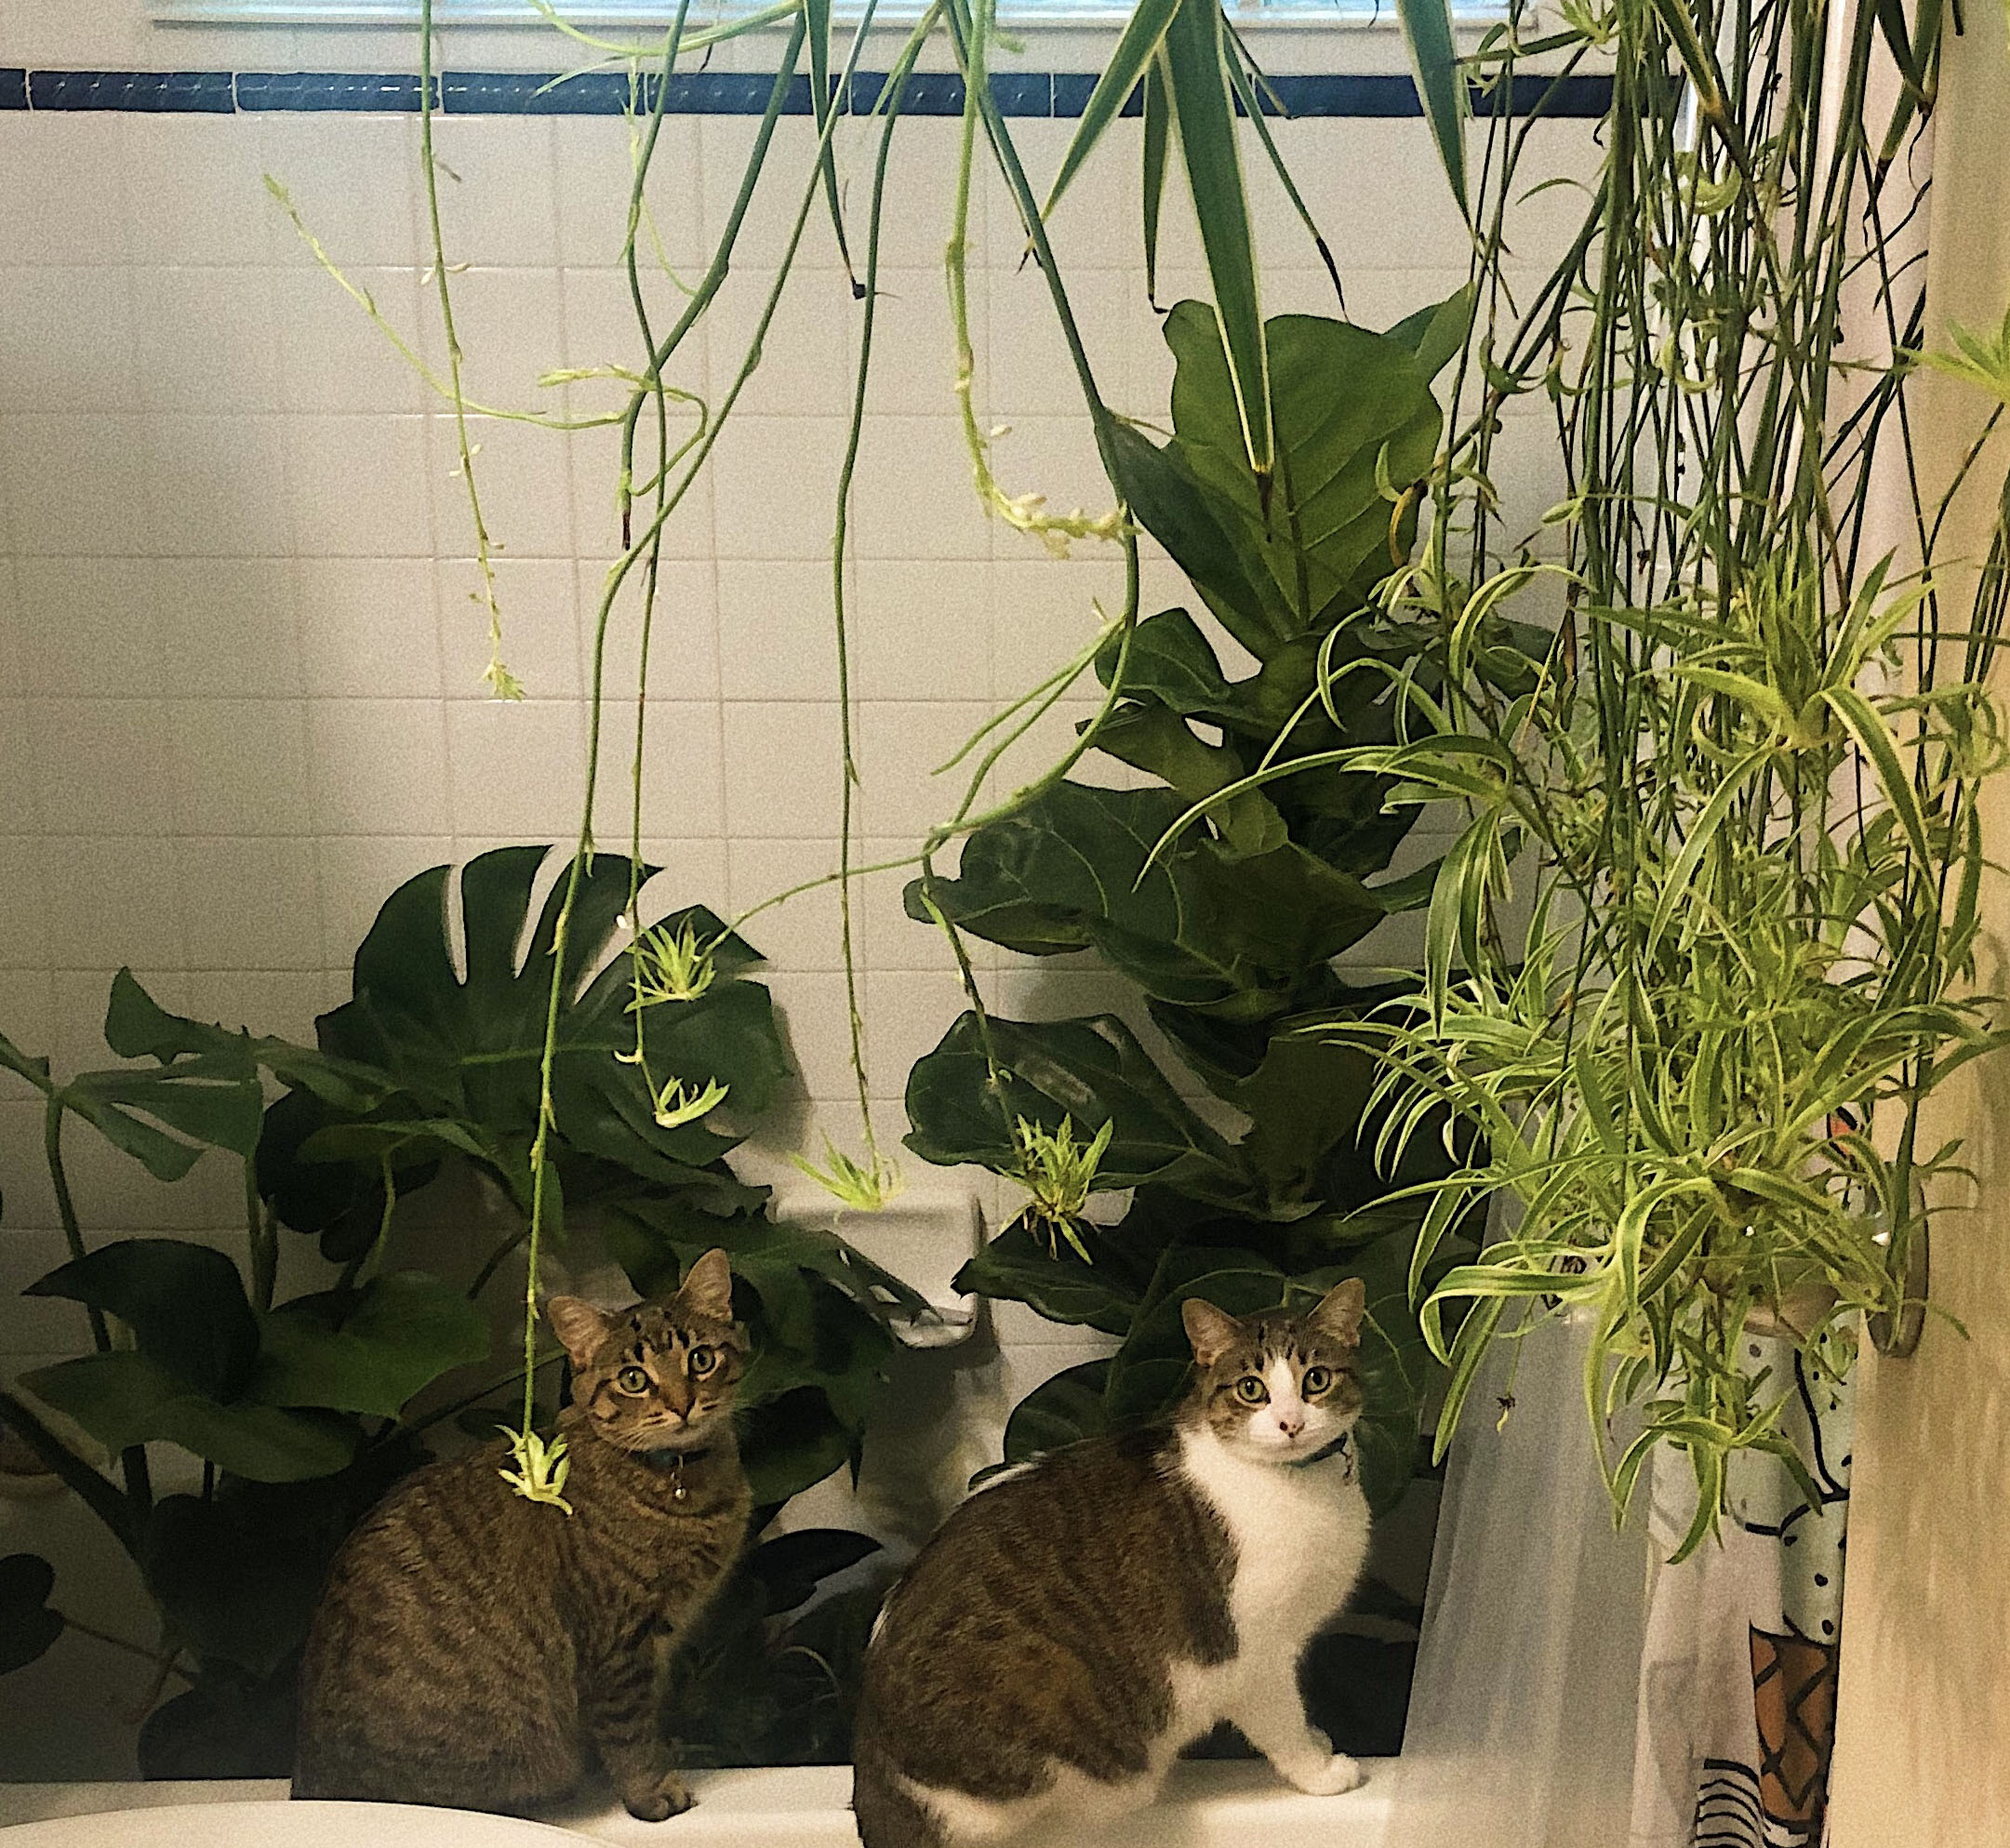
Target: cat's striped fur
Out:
[1073,1626]
[478,1651]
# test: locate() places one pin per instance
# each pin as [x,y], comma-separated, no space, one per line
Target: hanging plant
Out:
[1702,949]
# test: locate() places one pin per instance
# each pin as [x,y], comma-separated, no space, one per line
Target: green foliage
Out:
[459,1055]
[762,1680]
[303,1411]
[28,1628]
[1704,947]
[1226,922]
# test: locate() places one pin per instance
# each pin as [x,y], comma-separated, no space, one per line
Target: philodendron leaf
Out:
[28,1628]
[1064,1410]
[371,1350]
[185,1304]
[237,1576]
[1091,1070]
[123,1398]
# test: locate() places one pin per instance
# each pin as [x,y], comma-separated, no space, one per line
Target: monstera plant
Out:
[1227,927]
[302,1410]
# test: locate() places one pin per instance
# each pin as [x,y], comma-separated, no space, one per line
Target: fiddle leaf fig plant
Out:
[1227,925]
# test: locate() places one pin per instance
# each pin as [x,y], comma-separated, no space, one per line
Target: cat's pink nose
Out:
[1291,1427]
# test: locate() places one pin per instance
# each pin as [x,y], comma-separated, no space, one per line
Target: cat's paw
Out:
[659,1799]
[1338,1773]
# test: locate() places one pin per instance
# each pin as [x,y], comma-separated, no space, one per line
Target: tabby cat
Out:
[476,1650]
[1073,1626]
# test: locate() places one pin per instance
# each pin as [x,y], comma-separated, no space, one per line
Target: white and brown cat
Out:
[1073,1626]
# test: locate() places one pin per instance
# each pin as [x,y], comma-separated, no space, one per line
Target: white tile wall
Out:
[239,661]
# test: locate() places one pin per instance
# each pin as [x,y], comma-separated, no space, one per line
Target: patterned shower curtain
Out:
[1737,1686]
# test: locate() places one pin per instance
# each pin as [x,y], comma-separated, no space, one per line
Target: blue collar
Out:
[671,1461]
[1338,1447]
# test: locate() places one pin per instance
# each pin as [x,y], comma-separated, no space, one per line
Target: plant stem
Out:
[52,1149]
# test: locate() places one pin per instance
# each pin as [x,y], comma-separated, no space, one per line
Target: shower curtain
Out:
[1573,1691]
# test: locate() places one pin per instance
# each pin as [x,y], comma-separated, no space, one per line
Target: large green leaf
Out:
[123,1398]
[1204,925]
[28,1628]
[790,1566]
[1063,1410]
[1306,1103]
[1092,1071]
[466,1050]
[367,1350]
[791,1444]
[1353,411]
[1103,1292]
[138,1027]
[185,1304]
[202,1090]
[1195,66]
[1175,506]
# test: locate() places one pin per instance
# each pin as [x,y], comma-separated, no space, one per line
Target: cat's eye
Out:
[1316,1380]
[1251,1391]
[702,1362]
[632,1379]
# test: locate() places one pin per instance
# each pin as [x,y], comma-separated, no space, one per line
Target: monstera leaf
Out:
[462,1052]
[266,1398]
[202,1091]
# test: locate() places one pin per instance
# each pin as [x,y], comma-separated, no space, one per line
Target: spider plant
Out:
[1702,948]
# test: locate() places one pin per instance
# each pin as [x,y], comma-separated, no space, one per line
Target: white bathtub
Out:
[1210,1804]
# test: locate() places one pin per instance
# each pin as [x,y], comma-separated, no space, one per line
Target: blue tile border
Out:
[141,92]
[334,90]
[1035,93]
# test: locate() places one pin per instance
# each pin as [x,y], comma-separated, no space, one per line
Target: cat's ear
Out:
[707,1287]
[1339,1313]
[579,1324]
[1212,1331]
